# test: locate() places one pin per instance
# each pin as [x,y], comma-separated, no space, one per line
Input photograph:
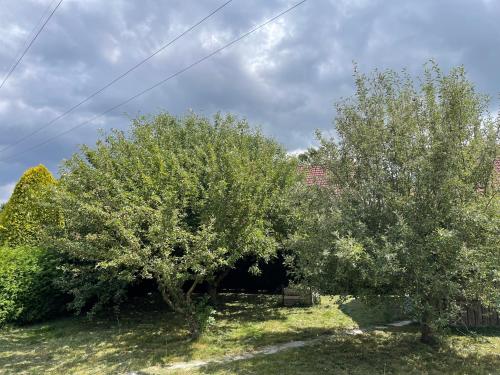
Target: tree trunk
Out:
[426,334]
[193,324]
[212,292]
[181,303]
[214,285]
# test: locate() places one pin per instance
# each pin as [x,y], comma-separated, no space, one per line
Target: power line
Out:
[118,78]
[31,33]
[29,45]
[242,36]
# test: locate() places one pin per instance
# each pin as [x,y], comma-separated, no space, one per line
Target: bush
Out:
[27,290]
[26,213]
[204,314]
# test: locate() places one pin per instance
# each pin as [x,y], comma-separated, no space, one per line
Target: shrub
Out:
[27,290]
[24,215]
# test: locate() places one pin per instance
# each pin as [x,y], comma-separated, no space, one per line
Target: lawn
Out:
[145,337]
[397,352]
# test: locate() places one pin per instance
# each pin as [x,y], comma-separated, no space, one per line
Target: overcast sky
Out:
[285,78]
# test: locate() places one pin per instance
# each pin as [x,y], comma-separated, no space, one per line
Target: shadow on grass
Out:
[477,332]
[137,337]
[396,352]
[373,311]
[145,333]
[250,308]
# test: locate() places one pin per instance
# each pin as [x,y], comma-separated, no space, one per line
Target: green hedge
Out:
[27,212]
[27,290]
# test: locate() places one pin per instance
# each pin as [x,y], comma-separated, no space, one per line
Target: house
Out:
[315,175]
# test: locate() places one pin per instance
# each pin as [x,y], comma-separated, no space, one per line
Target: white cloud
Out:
[113,54]
[285,77]
[263,47]
[297,151]
[6,191]
[4,105]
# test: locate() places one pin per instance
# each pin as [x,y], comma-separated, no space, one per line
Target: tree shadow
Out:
[394,352]
[476,332]
[146,334]
[250,307]
[139,336]
[378,310]
[143,334]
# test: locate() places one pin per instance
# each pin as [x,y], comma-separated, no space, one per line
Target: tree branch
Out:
[190,291]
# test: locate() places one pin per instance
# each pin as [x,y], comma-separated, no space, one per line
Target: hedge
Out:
[27,290]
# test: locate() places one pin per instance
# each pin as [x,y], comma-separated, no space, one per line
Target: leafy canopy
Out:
[412,208]
[176,200]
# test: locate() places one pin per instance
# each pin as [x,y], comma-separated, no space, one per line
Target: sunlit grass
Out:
[146,337]
[393,352]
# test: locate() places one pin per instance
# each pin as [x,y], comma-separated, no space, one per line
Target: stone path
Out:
[272,349]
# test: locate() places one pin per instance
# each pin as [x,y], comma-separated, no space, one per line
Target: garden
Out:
[131,259]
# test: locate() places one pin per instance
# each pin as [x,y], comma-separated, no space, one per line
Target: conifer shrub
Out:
[26,213]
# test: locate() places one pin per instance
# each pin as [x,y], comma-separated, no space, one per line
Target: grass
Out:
[396,352]
[146,337]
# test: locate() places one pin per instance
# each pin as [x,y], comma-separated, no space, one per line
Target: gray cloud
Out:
[284,78]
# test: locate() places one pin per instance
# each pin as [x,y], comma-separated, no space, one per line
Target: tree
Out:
[411,208]
[177,200]
[27,211]
[308,156]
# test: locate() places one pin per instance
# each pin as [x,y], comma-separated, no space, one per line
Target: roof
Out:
[315,175]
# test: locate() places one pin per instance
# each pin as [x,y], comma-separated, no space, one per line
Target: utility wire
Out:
[31,33]
[242,36]
[29,45]
[118,78]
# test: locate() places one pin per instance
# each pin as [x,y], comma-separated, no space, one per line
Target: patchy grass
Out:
[394,352]
[146,336]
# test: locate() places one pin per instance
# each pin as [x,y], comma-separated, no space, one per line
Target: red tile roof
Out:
[315,175]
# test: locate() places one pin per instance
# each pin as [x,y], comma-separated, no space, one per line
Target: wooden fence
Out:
[476,315]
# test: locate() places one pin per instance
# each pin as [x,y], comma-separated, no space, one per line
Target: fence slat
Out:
[475,315]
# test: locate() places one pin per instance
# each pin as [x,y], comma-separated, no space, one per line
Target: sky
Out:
[285,78]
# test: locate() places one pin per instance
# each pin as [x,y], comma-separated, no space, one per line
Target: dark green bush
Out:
[27,290]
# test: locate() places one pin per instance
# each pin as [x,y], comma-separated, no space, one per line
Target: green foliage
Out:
[308,157]
[178,200]
[27,291]
[412,208]
[205,314]
[26,212]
